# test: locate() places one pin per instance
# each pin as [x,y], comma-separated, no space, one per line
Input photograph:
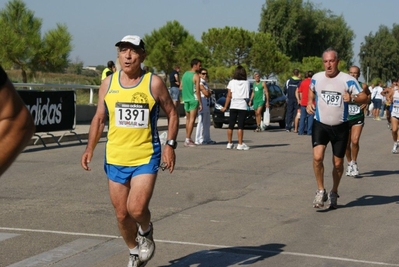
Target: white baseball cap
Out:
[134,40]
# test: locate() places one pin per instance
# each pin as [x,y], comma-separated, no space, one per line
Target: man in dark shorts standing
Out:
[332,91]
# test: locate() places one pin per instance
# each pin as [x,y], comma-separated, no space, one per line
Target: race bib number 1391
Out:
[131,115]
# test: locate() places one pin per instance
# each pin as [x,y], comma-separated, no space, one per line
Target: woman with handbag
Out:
[257,101]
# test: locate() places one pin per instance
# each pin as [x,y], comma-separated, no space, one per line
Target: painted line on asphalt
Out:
[211,246]
[59,253]
[57,232]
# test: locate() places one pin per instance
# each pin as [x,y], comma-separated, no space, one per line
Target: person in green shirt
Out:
[190,87]
[257,100]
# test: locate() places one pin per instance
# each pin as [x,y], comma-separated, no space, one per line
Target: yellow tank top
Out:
[133,113]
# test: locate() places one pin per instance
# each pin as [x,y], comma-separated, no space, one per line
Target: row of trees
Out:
[23,47]
[292,34]
[379,54]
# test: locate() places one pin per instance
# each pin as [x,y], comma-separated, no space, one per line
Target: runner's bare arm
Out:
[162,96]
[97,125]
[16,123]
[310,108]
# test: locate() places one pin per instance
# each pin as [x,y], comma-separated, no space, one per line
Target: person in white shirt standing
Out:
[377,98]
[238,95]
[203,134]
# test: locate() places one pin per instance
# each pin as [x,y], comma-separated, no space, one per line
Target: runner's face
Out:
[256,77]
[130,57]
[330,62]
[354,72]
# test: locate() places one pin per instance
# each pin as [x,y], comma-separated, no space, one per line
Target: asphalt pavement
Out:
[219,208]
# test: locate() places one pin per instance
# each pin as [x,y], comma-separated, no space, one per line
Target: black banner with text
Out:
[51,110]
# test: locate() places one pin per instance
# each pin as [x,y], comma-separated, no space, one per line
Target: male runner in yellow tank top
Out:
[131,99]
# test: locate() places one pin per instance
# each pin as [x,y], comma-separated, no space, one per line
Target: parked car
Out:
[277,107]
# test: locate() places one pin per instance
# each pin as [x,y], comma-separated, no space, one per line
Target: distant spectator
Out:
[174,80]
[258,100]
[237,96]
[305,119]
[377,98]
[191,93]
[203,135]
[292,103]
[108,70]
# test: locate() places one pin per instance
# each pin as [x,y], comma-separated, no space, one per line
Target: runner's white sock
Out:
[141,232]
[134,250]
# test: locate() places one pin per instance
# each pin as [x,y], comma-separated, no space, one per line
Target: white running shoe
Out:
[242,147]
[189,143]
[230,146]
[135,262]
[333,197]
[320,198]
[349,170]
[146,245]
[355,170]
[395,148]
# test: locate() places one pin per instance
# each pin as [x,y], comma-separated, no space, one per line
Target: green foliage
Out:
[314,64]
[265,56]
[280,19]
[19,35]
[75,68]
[380,52]
[301,30]
[172,45]
[191,49]
[54,52]
[55,78]
[229,46]
[100,68]
[164,45]
[21,45]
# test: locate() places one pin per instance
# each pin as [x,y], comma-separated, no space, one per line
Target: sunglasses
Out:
[204,73]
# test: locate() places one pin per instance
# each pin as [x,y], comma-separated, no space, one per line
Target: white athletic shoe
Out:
[395,148]
[242,147]
[349,170]
[355,170]
[230,146]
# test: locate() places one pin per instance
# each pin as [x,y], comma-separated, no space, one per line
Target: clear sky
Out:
[96,25]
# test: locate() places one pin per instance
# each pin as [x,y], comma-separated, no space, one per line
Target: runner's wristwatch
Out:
[172,143]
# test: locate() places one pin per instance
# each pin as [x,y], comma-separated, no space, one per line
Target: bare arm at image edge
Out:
[97,125]
[16,123]
[161,94]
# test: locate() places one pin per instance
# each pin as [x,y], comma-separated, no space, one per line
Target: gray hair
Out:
[330,49]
